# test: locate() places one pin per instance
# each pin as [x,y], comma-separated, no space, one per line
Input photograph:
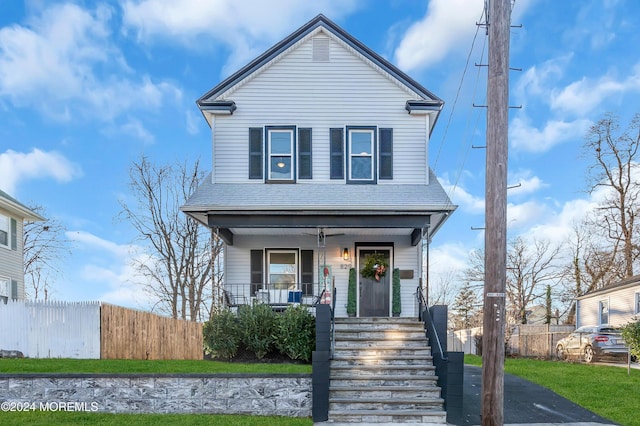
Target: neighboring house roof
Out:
[629,282]
[17,208]
[214,99]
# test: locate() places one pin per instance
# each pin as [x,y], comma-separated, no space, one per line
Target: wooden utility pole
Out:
[498,20]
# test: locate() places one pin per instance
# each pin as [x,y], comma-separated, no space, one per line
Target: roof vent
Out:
[320,49]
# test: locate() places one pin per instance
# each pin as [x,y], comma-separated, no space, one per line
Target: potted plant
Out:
[351,293]
[396,306]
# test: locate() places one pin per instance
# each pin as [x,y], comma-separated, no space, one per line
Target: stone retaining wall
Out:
[260,394]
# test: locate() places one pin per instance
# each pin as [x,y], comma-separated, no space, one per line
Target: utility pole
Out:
[498,20]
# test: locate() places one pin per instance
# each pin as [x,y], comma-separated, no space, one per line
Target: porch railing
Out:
[237,294]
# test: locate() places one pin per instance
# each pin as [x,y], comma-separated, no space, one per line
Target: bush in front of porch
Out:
[262,333]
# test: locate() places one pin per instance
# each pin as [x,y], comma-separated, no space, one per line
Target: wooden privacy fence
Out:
[130,334]
[522,340]
[537,340]
[92,330]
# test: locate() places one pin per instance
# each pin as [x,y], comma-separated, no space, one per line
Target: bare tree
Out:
[616,170]
[180,265]
[529,267]
[441,291]
[45,245]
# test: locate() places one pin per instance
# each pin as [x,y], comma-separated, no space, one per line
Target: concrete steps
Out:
[382,373]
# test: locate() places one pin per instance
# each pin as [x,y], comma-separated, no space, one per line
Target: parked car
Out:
[590,343]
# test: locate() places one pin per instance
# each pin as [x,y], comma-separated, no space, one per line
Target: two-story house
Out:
[13,214]
[320,160]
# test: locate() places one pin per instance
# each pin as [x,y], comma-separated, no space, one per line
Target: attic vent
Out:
[320,49]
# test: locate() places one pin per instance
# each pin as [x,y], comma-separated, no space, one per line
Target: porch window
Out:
[280,154]
[637,304]
[283,269]
[361,147]
[603,308]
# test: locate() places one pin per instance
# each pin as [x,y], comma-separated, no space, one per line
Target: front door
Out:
[374,293]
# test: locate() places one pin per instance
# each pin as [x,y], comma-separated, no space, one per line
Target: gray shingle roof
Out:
[306,196]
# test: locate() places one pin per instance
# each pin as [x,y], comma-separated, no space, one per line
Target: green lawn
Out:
[126,366]
[100,419]
[604,390]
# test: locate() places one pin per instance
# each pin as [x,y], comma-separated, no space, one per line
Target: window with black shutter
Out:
[304,154]
[386,154]
[306,272]
[337,153]
[255,153]
[257,270]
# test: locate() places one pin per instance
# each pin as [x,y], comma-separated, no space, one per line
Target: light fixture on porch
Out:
[345,254]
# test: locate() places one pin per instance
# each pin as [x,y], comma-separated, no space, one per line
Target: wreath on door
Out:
[375,267]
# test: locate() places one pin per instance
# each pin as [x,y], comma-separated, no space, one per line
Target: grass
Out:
[103,419]
[128,366]
[607,391]
[64,365]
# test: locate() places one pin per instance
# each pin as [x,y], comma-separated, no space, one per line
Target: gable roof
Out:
[17,208]
[629,282]
[427,101]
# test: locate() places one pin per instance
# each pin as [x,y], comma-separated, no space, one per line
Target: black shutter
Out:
[306,272]
[304,154]
[386,154]
[257,271]
[337,153]
[14,234]
[255,153]
[14,290]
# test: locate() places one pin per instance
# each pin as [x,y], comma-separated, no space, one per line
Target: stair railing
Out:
[423,313]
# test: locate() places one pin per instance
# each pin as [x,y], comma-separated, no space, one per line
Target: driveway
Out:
[524,403]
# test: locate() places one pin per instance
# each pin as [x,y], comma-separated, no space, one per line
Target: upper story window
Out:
[280,151]
[5,231]
[285,157]
[361,143]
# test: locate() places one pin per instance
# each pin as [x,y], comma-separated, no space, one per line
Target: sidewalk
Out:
[525,403]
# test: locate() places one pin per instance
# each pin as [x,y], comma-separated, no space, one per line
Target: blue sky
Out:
[88,87]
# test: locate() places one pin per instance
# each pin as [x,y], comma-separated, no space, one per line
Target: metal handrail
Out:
[428,322]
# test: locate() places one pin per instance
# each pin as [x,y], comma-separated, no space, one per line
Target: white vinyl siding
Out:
[293,90]
[622,306]
[12,261]
[237,260]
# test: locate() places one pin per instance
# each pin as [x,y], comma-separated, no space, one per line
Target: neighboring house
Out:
[320,159]
[13,214]
[616,304]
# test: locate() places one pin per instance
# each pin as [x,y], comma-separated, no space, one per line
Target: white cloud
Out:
[525,181]
[63,63]
[459,196]
[16,167]
[110,270]
[246,27]
[583,96]
[525,137]
[136,129]
[447,25]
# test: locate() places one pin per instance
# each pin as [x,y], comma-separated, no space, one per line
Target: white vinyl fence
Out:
[51,329]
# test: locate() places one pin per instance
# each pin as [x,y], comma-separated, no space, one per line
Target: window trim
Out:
[8,230]
[267,147]
[295,252]
[601,304]
[373,130]
[636,309]
[5,297]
